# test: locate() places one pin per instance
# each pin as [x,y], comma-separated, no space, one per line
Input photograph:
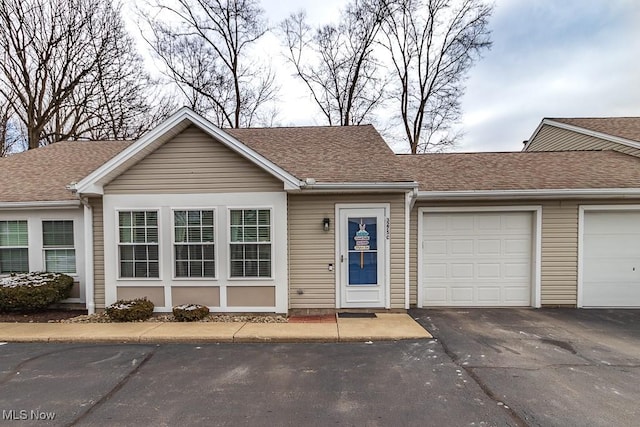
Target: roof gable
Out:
[183,118]
[620,130]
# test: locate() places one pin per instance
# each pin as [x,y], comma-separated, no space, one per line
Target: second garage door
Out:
[611,259]
[478,259]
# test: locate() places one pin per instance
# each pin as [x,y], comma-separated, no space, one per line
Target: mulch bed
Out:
[45,316]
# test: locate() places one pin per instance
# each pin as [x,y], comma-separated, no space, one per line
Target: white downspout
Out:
[88,242]
[407,223]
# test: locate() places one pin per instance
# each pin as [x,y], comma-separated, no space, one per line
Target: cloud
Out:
[550,58]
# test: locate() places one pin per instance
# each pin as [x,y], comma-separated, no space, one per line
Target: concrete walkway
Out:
[384,327]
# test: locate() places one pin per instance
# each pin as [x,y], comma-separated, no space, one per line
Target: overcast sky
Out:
[550,58]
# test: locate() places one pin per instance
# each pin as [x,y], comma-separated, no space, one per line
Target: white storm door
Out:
[362,257]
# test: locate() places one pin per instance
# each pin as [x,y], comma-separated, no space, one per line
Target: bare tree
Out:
[433,43]
[337,62]
[11,140]
[205,47]
[71,71]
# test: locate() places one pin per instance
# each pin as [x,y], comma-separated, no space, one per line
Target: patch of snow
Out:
[28,279]
[188,307]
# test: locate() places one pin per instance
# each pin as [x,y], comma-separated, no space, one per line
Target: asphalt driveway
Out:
[485,368]
[551,367]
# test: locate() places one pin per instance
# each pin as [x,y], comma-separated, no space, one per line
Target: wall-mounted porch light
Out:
[325,224]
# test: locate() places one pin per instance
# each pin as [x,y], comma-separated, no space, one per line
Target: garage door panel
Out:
[484,259]
[436,294]
[621,222]
[489,223]
[601,245]
[612,294]
[436,247]
[488,271]
[489,247]
[517,270]
[461,271]
[462,247]
[518,222]
[515,294]
[461,223]
[517,246]
[462,294]
[435,271]
[609,270]
[611,259]
[488,294]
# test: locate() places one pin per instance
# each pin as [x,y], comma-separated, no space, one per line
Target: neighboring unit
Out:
[314,219]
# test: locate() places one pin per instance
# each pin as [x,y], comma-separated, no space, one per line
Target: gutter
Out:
[41,205]
[311,184]
[530,194]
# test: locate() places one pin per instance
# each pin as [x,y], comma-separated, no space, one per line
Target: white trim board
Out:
[536,296]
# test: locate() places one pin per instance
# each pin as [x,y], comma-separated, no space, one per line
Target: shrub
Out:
[33,291]
[190,312]
[130,310]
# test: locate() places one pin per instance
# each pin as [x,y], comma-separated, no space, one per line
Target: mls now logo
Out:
[23,414]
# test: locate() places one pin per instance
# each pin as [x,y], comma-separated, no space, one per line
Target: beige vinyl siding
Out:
[311,249]
[193,161]
[98,251]
[551,138]
[559,268]
[559,263]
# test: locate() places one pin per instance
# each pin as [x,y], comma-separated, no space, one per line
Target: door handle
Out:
[341,258]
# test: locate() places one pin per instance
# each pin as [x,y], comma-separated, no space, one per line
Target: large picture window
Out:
[138,244]
[59,251]
[194,243]
[250,245]
[14,247]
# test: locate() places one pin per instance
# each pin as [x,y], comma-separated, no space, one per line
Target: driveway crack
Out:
[115,389]
[484,387]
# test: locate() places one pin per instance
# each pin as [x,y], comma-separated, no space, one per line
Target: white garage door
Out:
[477,259]
[611,259]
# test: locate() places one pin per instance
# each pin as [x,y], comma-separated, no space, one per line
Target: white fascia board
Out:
[529,194]
[91,184]
[339,186]
[41,205]
[583,131]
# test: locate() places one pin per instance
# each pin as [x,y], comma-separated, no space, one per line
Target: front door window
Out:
[363,251]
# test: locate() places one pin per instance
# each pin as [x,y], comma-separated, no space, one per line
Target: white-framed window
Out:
[14,247]
[58,246]
[138,244]
[194,243]
[250,243]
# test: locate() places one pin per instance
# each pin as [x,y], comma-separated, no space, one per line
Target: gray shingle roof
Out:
[531,170]
[44,173]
